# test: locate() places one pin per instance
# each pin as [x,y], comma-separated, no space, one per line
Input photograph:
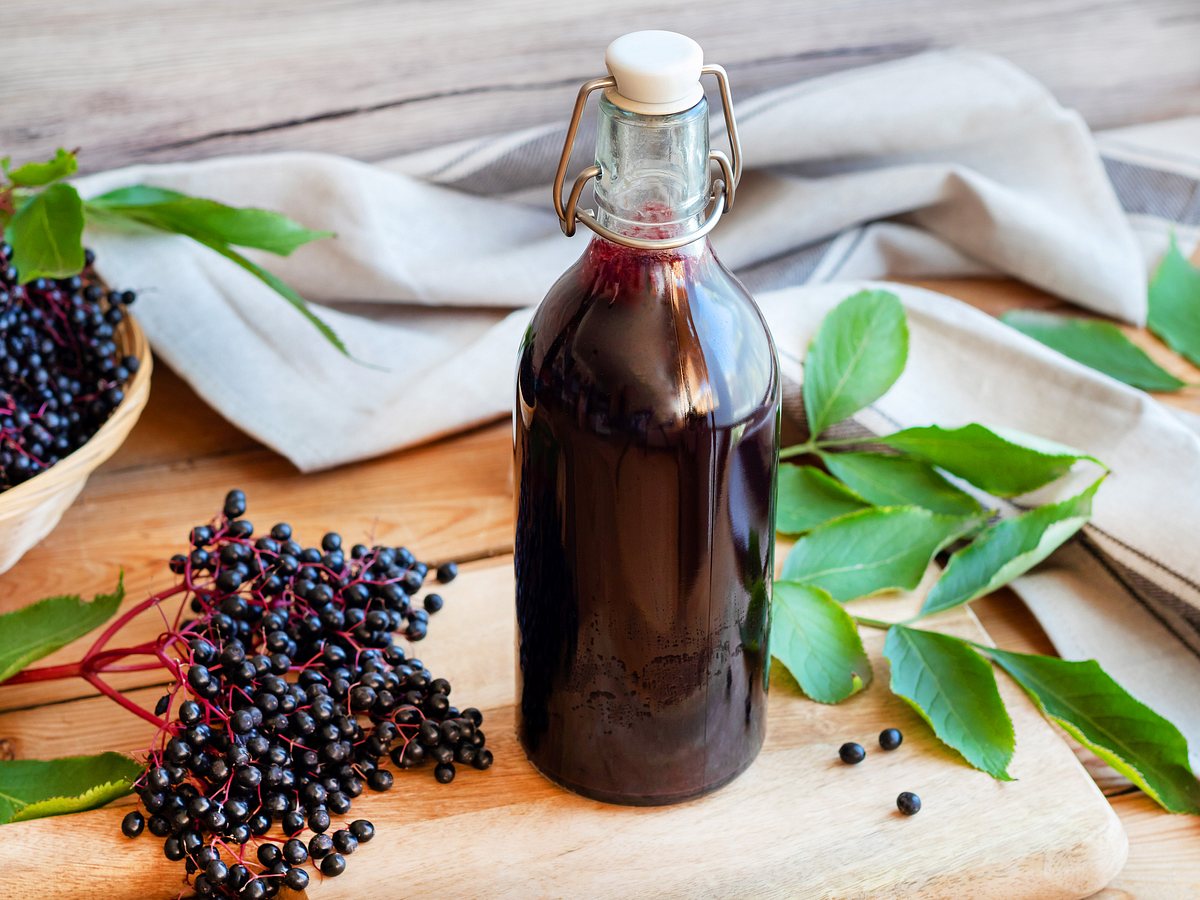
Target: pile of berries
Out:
[290,699]
[61,372]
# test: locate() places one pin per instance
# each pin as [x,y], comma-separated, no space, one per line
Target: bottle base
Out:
[626,799]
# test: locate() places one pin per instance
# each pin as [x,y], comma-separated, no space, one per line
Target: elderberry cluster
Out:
[61,373]
[291,699]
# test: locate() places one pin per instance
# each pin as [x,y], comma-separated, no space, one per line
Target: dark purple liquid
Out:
[646,438]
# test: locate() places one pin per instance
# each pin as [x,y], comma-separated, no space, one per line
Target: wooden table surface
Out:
[451,498]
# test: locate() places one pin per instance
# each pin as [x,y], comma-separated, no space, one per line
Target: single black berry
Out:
[133,824]
[447,572]
[320,846]
[333,865]
[890,738]
[444,773]
[294,852]
[362,829]
[296,879]
[908,803]
[852,753]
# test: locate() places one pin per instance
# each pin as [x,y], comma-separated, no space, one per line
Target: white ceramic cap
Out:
[657,72]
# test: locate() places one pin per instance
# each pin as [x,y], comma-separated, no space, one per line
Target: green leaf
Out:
[46,234]
[1007,549]
[858,353]
[1101,715]
[279,286]
[807,497]
[1004,464]
[873,550]
[208,219]
[900,481]
[1175,304]
[63,164]
[34,788]
[818,642]
[1100,345]
[953,689]
[41,628]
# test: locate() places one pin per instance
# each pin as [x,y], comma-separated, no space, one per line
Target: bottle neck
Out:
[653,171]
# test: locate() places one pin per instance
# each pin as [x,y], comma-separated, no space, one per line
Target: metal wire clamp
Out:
[723,188]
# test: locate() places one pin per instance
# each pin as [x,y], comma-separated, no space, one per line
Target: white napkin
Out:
[949,163]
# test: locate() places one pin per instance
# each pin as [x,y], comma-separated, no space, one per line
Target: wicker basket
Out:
[29,511]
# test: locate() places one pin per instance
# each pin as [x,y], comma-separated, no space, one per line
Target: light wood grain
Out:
[137,80]
[797,821]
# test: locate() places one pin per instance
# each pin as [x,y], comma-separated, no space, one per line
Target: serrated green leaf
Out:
[953,689]
[818,642]
[858,353]
[1002,463]
[35,788]
[873,550]
[46,234]
[1008,549]
[41,628]
[36,174]
[900,481]
[807,497]
[1105,718]
[1095,343]
[1174,304]
[215,222]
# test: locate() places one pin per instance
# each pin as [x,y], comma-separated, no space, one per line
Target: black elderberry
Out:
[434,602]
[444,773]
[235,504]
[344,842]
[293,822]
[295,853]
[890,738]
[216,872]
[380,780]
[318,820]
[852,753]
[333,865]
[158,779]
[447,572]
[296,879]
[483,759]
[908,803]
[133,824]
[158,826]
[320,846]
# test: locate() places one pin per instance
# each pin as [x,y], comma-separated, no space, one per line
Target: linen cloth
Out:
[943,164]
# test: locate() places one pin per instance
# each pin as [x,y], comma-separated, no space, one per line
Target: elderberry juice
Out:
[646,444]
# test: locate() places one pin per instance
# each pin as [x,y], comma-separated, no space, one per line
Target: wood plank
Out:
[133,80]
[831,829]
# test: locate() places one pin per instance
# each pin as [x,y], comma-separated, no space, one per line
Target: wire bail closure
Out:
[723,188]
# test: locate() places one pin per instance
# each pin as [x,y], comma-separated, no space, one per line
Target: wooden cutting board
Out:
[797,823]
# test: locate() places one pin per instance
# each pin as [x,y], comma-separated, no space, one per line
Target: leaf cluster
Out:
[870,520]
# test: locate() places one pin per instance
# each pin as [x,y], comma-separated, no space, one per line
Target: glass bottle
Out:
[646,435]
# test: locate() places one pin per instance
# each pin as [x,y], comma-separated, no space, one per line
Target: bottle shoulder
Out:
[664,338]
